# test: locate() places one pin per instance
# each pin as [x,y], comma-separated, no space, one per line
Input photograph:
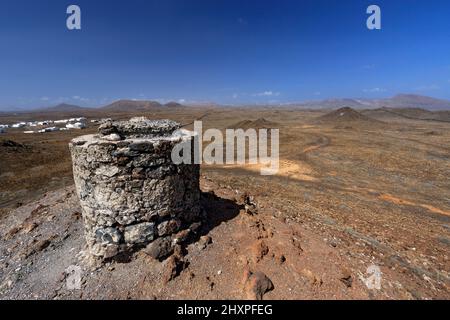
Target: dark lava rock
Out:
[256,285]
[160,248]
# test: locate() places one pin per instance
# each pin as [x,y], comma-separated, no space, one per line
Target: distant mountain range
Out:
[116,106]
[138,105]
[397,102]
[131,105]
[63,107]
[416,101]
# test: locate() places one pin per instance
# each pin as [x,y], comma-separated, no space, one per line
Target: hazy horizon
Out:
[317,103]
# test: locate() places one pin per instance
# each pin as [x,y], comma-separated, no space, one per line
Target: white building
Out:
[19,125]
[50,129]
[77,125]
[61,121]
[44,123]
[81,119]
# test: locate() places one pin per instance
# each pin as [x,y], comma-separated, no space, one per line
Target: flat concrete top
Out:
[139,127]
[97,139]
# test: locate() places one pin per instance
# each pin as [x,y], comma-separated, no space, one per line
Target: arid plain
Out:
[356,188]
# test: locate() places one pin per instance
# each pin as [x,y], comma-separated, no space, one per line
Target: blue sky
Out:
[224,51]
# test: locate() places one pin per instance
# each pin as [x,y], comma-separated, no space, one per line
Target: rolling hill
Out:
[260,123]
[416,101]
[399,101]
[131,105]
[63,107]
[343,115]
[138,105]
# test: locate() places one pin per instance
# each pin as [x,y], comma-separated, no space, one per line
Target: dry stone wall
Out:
[131,193]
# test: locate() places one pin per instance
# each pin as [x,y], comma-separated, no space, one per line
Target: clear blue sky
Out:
[223,50]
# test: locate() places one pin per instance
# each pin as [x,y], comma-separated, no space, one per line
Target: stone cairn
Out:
[131,193]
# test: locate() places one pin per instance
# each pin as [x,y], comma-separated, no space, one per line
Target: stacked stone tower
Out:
[131,192]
